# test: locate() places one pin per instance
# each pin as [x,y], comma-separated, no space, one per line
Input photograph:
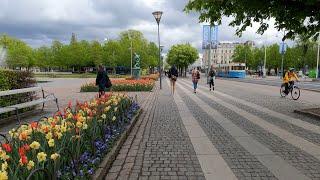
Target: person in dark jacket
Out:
[173,76]
[212,76]
[101,80]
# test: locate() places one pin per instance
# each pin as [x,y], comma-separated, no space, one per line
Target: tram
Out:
[231,70]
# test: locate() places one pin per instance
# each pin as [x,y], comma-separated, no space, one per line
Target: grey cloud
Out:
[40,22]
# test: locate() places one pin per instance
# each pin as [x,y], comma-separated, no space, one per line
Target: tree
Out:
[43,57]
[96,53]
[182,55]
[273,57]
[244,54]
[19,53]
[297,17]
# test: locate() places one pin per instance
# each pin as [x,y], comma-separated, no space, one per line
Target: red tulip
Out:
[7,147]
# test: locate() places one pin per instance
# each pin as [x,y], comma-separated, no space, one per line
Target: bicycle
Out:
[293,89]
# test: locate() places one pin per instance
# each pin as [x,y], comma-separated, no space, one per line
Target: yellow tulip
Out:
[3,175]
[59,135]
[41,156]
[3,155]
[4,166]
[35,145]
[54,156]
[49,136]
[79,124]
[30,165]
[51,142]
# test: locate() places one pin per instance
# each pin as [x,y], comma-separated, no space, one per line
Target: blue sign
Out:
[283,48]
[209,35]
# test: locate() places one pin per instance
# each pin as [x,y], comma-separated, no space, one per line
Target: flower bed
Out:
[122,85]
[146,77]
[69,145]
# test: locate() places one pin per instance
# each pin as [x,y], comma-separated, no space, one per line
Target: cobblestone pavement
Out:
[159,146]
[245,131]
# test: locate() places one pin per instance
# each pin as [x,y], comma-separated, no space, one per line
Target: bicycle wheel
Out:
[295,93]
[282,89]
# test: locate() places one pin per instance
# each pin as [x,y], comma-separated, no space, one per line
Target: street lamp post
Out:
[157,15]
[265,61]
[161,49]
[317,70]
[129,35]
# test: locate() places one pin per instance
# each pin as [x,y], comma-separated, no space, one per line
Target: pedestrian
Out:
[212,76]
[173,76]
[195,78]
[102,80]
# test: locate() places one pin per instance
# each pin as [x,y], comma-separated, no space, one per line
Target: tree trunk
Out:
[185,71]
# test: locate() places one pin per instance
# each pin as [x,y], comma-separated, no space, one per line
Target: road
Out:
[239,131]
[308,85]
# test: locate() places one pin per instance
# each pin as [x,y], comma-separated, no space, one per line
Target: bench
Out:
[42,100]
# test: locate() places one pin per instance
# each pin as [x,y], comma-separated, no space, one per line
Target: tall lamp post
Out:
[317,70]
[157,15]
[161,62]
[129,35]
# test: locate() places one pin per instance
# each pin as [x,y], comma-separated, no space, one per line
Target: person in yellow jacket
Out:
[289,79]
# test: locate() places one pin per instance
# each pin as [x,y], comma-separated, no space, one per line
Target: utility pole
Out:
[209,59]
[282,53]
[265,61]
[317,70]
[129,35]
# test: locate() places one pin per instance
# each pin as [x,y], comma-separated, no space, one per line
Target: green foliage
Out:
[297,17]
[10,80]
[294,56]
[182,55]
[19,53]
[80,54]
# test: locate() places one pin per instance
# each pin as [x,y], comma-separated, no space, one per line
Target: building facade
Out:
[223,52]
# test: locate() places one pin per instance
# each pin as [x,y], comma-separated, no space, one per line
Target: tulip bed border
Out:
[105,165]
[118,85]
[77,165]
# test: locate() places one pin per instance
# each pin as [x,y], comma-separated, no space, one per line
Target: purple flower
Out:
[90,171]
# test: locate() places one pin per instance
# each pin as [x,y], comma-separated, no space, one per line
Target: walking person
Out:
[173,75]
[101,80]
[212,77]
[195,78]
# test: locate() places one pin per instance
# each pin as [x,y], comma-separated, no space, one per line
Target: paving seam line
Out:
[300,123]
[212,165]
[292,139]
[266,84]
[269,159]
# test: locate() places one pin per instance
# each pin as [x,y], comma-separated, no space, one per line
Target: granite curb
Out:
[106,163]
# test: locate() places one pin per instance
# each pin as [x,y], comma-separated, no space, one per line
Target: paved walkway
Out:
[66,90]
[235,132]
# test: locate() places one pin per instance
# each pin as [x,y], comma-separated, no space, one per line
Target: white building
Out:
[223,52]
[197,63]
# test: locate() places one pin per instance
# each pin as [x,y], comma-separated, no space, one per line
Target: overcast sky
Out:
[38,22]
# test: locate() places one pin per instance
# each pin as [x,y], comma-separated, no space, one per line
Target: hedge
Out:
[10,80]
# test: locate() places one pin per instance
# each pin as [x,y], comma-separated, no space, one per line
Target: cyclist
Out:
[289,78]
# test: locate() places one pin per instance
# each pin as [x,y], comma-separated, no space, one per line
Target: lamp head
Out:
[157,15]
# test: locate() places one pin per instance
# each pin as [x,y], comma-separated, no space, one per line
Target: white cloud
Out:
[38,22]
